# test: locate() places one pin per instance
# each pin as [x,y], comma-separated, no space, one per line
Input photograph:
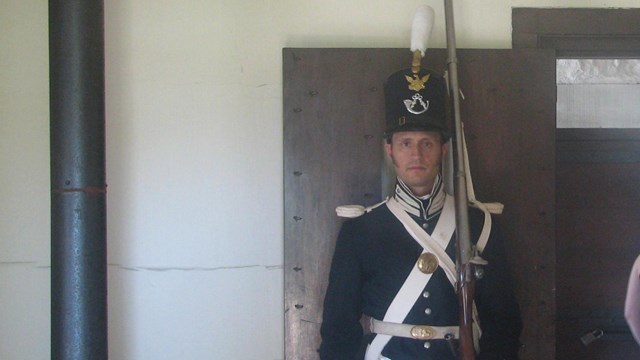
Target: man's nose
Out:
[416,151]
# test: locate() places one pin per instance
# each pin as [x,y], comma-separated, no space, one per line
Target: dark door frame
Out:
[580,33]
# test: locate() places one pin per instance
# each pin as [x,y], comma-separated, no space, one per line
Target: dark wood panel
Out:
[605,185]
[333,125]
[593,228]
[333,156]
[510,127]
[580,134]
[605,146]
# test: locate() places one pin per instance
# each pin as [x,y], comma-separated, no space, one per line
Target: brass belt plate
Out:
[423,332]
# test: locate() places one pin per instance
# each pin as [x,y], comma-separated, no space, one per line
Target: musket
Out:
[465,268]
[421,29]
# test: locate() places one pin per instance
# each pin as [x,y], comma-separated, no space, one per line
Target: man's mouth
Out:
[416,168]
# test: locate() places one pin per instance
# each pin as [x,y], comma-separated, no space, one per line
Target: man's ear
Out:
[445,148]
[387,149]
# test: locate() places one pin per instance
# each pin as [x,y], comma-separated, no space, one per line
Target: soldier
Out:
[395,264]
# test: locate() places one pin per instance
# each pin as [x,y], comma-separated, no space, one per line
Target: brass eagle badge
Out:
[416,83]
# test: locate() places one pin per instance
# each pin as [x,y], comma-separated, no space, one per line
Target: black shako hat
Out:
[415,101]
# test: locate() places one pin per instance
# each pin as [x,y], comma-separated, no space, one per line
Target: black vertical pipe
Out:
[78,188]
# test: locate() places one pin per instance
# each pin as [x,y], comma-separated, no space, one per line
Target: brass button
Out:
[428,263]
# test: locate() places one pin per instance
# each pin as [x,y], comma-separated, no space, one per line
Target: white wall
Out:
[194,162]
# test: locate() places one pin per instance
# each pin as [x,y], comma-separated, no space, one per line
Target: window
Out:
[598,93]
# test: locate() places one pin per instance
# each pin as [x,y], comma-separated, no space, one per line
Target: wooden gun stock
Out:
[466,292]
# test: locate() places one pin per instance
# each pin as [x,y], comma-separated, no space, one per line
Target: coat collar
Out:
[424,207]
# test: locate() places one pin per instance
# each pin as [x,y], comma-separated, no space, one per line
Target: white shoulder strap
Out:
[415,283]
[437,242]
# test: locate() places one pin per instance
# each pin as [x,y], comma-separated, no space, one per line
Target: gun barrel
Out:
[463,238]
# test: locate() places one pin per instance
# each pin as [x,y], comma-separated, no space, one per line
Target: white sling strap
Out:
[487,208]
[437,242]
[416,281]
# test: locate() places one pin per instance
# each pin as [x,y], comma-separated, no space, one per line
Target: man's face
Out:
[416,157]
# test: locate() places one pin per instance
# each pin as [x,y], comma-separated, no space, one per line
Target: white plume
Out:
[421,28]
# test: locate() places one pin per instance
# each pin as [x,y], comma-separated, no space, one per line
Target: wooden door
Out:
[598,202]
[333,122]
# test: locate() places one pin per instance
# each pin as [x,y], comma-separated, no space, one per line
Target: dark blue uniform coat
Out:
[374,255]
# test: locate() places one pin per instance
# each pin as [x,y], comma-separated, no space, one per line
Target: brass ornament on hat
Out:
[416,83]
[415,63]
[427,263]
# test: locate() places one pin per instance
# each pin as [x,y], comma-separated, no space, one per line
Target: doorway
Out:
[597,205]
[597,169]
